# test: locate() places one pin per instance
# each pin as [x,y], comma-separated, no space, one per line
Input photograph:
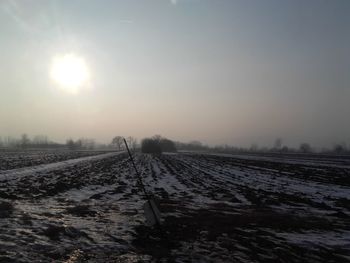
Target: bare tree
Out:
[254,147]
[157,138]
[40,140]
[10,142]
[117,142]
[285,149]
[70,144]
[132,142]
[340,148]
[24,141]
[90,144]
[278,144]
[86,143]
[305,148]
[79,144]
[195,144]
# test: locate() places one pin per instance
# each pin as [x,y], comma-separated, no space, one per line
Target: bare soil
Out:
[215,208]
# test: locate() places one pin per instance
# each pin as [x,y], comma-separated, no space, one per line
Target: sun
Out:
[70,72]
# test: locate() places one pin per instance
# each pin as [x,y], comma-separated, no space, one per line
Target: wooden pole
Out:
[156,219]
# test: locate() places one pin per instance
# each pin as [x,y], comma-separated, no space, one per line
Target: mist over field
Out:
[233,72]
[174,131]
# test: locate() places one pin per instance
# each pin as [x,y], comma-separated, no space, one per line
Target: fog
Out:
[222,72]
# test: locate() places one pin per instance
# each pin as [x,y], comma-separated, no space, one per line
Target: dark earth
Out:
[215,208]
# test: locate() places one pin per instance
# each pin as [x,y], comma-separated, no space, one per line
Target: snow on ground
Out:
[341,161]
[32,171]
[214,208]
[26,158]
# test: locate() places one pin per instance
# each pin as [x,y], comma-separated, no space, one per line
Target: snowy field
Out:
[17,159]
[215,208]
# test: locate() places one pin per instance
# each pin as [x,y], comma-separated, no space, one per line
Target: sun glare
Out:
[70,72]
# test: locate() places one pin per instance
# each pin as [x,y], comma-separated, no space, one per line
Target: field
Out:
[18,159]
[215,208]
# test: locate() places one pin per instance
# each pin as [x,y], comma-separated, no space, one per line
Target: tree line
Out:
[158,144]
[279,147]
[38,141]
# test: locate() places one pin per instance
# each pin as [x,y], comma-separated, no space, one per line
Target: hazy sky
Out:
[219,71]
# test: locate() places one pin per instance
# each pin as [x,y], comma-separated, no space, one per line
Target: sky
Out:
[218,71]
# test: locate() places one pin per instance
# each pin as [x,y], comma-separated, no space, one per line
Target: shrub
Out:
[167,145]
[157,145]
[150,146]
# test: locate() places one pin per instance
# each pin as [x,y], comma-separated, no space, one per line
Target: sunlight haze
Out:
[222,72]
[70,72]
